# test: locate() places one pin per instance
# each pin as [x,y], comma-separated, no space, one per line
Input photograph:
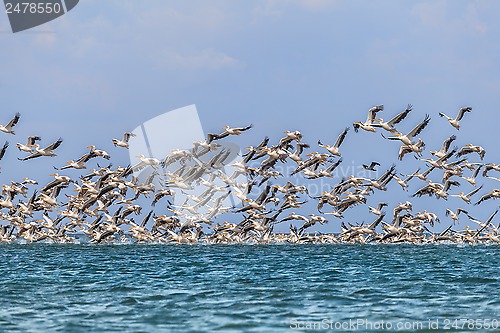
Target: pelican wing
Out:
[14,121]
[447,144]
[463,111]
[241,129]
[470,194]
[34,155]
[419,128]
[32,140]
[397,119]
[341,137]
[127,135]
[4,149]
[54,145]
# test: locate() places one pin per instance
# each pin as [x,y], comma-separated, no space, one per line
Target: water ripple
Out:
[240,288]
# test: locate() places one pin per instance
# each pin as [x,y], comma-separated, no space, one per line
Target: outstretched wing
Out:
[14,121]
[54,145]
[401,116]
[4,149]
[447,144]
[372,113]
[419,128]
[341,137]
[463,111]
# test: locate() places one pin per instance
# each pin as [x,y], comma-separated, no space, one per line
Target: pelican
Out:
[8,128]
[78,164]
[389,126]
[455,215]
[456,122]
[47,151]
[28,148]
[124,142]
[408,138]
[494,194]
[445,147]
[99,152]
[416,148]
[470,148]
[372,166]
[227,131]
[378,210]
[334,150]
[368,124]
[144,162]
[472,179]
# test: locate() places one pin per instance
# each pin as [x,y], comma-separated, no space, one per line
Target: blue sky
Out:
[311,65]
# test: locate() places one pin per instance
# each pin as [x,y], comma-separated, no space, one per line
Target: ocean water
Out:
[248,288]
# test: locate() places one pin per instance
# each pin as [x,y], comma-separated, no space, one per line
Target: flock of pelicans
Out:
[104,202]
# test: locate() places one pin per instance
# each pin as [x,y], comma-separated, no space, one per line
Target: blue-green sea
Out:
[249,288]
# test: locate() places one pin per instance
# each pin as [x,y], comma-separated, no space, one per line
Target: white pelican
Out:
[389,126]
[416,148]
[408,138]
[334,150]
[455,216]
[78,164]
[456,122]
[367,125]
[123,143]
[494,194]
[99,152]
[227,131]
[144,162]
[372,166]
[8,128]
[378,210]
[472,179]
[466,197]
[28,148]
[470,148]
[47,151]
[445,147]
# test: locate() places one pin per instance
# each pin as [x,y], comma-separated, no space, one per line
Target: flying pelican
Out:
[389,126]
[8,128]
[227,131]
[378,210]
[368,124]
[445,147]
[416,148]
[334,150]
[144,162]
[78,164]
[454,216]
[123,143]
[28,148]
[470,148]
[494,194]
[98,152]
[456,122]
[466,197]
[47,151]
[371,167]
[472,179]
[408,138]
